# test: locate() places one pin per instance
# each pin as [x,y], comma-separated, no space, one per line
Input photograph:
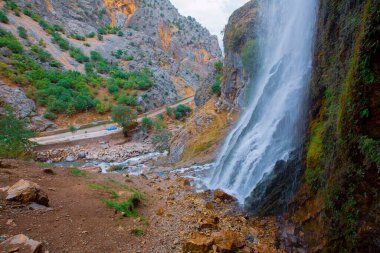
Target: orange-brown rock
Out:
[27,192]
[198,243]
[228,241]
[21,244]
[218,194]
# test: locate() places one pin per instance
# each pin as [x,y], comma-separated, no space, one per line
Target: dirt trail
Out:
[80,222]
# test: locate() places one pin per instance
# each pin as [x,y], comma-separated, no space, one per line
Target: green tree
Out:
[125,117]
[14,137]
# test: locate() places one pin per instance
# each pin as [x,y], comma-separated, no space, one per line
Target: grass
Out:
[124,203]
[137,232]
[75,172]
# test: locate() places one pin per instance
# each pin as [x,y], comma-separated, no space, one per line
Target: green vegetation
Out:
[10,5]
[109,30]
[216,88]
[91,35]
[78,55]
[78,37]
[50,115]
[370,149]
[126,202]
[249,56]
[137,232]
[181,112]
[14,137]
[125,117]
[3,18]
[44,56]
[75,172]
[147,123]
[9,41]
[22,32]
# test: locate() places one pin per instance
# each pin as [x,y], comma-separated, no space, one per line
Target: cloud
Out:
[213,14]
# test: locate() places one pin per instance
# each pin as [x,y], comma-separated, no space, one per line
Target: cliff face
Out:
[239,40]
[336,207]
[179,52]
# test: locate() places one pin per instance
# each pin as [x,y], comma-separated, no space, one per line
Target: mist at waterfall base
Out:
[268,130]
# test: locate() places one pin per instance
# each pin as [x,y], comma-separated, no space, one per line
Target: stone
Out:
[228,241]
[70,158]
[27,192]
[48,171]
[21,244]
[94,170]
[209,222]
[82,155]
[35,206]
[4,189]
[198,243]
[218,194]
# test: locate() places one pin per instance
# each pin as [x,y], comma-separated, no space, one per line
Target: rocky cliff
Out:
[135,34]
[336,202]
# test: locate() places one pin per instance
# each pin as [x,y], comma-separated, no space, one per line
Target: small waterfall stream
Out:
[267,130]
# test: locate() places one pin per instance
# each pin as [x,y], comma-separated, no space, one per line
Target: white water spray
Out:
[267,130]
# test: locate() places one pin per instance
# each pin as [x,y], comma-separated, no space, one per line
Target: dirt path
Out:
[80,222]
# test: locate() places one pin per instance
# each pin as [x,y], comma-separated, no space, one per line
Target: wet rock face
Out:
[274,192]
[240,35]
[179,52]
[23,108]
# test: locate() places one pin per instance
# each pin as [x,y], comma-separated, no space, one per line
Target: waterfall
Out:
[267,129]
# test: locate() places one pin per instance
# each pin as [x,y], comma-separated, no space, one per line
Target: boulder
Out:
[27,192]
[218,194]
[198,243]
[21,244]
[94,170]
[228,241]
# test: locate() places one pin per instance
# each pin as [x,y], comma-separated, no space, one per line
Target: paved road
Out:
[97,131]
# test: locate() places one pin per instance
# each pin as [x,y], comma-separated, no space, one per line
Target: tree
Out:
[14,137]
[125,117]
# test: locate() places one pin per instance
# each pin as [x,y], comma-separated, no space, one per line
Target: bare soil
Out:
[80,222]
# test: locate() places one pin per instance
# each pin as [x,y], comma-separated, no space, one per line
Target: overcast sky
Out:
[212,14]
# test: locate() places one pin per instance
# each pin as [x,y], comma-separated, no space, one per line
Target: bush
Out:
[9,41]
[120,34]
[216,88]
[125,117]
[218,67]
[3,18]
[78,55]
[127,100]
[61,42]
[90,35]
[102,67]
[14,137]
[100,37]
[100,108]
[10,5]
[22,32]
[50,115]
[44,56]
[182,111]
[78,37]
[147,123]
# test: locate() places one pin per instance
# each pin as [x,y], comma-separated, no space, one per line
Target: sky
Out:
[212,14]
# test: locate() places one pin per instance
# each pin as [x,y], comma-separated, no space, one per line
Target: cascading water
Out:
[267,130]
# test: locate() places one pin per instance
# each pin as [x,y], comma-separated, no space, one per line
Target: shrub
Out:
[112,88]
[78,37]
[62,43]
[14,137]
[102,67]
[3,18]
[10,5]
[125,117]
[216,88]
[218,67]
[50,115]
[90,35]
[127,100]
[78,55]
[100,108]
[9,41]
[314,178]
[181,111]
[169,111]
[120,34]
[147,123]
[100,37]
[22,32]
[96,57]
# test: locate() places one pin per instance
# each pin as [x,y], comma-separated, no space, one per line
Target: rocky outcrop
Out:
[27,192]
[23,108]
[274,192]
[179,52]
[239,63]
[22,244]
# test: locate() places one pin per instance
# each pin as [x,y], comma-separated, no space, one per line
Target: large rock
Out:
[198,243]
[228,241]
[21,244]
[23,108]
[27,192]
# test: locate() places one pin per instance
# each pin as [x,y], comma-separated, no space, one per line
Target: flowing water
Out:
[268,129]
